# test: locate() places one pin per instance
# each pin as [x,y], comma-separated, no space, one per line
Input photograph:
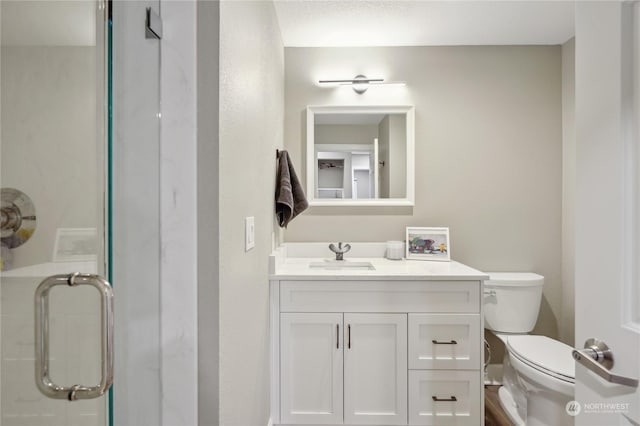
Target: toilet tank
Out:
[512,301]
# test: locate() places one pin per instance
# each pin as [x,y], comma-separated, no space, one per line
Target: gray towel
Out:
[290,198]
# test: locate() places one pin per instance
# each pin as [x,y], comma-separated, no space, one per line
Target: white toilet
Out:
[539,372]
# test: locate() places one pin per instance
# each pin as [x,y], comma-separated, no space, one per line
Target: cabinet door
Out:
[375,371]
[311,366]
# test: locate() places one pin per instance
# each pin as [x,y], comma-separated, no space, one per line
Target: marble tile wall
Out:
[136,217]
[178,216]
[48,106]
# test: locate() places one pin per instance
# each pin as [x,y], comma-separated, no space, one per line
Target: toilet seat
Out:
[546,355]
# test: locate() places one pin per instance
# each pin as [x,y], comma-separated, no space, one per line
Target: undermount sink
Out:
[342,265]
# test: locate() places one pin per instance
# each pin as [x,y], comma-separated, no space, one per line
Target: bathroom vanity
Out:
[374,341]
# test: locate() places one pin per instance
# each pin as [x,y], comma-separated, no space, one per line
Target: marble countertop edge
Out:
[282,268]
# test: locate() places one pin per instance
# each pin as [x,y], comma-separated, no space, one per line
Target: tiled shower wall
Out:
[74,352]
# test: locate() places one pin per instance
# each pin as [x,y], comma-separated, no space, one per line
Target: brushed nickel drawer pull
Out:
[438,342]
[349,333]
[337,336]
[452,399]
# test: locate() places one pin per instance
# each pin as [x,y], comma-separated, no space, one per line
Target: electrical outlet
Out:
[249,233]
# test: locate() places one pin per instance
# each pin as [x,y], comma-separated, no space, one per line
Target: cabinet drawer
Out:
[444,341]
[380,296]
[444,397]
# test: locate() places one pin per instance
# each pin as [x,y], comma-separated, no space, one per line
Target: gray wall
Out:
[250,130]
[331,178]
[567,325]
[488,152]
[384,154]
[345,134]
[397,156]
[392,152]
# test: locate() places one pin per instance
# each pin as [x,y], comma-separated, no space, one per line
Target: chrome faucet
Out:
[340,250]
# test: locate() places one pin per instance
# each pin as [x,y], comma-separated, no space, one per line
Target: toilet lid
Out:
[544,354]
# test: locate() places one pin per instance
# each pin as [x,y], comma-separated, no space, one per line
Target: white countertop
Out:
[297,268]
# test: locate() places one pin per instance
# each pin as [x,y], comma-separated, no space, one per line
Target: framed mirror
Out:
[360,155]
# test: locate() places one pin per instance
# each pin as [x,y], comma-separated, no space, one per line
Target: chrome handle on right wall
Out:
[597,357]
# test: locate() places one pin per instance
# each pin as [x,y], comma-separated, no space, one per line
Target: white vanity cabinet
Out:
[346,368]
[376,352]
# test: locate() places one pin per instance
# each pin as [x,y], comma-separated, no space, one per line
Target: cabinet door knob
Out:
[438,342]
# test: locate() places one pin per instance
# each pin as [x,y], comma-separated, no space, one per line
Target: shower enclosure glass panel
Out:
[53,148]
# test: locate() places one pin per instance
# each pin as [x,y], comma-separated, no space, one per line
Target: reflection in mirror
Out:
[360,155]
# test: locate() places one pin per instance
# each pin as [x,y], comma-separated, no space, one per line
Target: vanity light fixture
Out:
[360,83]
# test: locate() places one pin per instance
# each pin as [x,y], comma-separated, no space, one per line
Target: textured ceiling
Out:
[334,23]
[317,23]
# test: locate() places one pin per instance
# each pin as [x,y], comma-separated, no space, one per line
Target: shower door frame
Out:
[101,175]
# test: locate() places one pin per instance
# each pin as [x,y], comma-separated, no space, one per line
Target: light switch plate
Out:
[249,233]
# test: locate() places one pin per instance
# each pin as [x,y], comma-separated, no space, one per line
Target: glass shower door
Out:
[53,174]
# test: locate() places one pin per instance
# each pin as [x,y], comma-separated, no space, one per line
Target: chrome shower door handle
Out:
[597,357]
[43,380]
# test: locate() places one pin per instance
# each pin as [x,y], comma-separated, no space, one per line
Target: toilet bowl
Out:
[539,372]
[542,383]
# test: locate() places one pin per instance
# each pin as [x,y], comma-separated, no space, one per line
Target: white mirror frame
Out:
[407,110]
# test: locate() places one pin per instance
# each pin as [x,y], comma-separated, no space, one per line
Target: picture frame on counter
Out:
[424,243]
